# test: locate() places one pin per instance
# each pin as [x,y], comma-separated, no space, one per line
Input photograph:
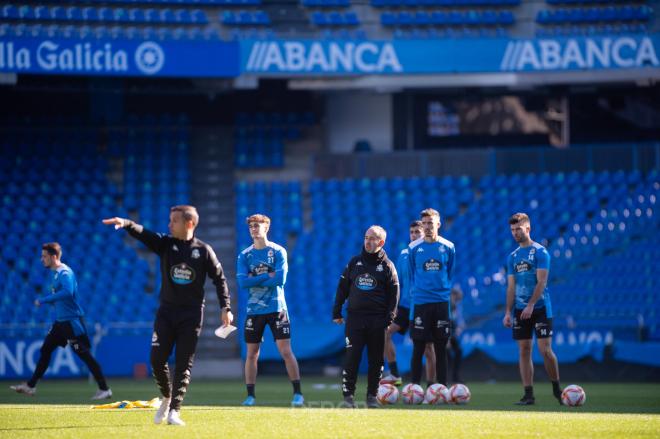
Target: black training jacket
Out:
[371,285]
[184,266]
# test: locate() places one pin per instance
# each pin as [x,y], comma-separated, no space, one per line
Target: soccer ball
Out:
[412,394]
[387,394]
[459,394]
[573,396]
[437,394]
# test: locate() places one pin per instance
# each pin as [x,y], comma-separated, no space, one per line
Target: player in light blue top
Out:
[68,328]
[261,273]
[527,294]
[431,262]
[402,320]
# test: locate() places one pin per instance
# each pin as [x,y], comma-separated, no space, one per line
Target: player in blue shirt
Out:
[402,320]
[527,294]
[69,327]
[261,272]
[431,263]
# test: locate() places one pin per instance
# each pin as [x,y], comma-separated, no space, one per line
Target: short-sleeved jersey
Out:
[431,267]
[403,270]
[522,265]
[265,293]
[64,292]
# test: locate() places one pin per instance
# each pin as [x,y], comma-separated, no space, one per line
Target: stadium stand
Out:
[260,137]
[330,19]
[599,227]
[59,184]
[585,18]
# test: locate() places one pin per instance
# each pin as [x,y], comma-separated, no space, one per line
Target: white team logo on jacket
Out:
[195,254]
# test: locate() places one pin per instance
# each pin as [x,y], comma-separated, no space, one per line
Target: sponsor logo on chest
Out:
[432,265]
[182,274]
[366,282]
[523,266]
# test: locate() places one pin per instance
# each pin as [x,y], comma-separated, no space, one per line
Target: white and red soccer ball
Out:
[412,394]
[437,394]
[387,394]
[459,394]
[573,396]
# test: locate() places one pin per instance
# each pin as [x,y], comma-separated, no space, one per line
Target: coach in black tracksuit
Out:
[185,262]
[371,285]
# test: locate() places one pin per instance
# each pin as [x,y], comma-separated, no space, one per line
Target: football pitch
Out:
[212,409]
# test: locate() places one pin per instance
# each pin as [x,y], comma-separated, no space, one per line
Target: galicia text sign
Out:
[119,57]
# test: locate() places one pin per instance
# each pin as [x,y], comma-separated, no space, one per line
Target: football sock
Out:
[394,368]
[529,392]
[296,386]
[556,389]
[250,390]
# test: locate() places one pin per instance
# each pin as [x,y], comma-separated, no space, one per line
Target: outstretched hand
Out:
[116,221]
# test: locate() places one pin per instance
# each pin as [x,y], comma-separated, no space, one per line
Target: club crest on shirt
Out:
[270,253]
[379,267]
[175,248]
[195,253]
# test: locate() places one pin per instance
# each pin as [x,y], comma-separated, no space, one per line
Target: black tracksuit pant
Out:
[180,327]
[363,330]
[60,334]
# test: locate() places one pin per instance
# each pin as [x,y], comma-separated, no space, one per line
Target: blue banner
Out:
[313,58]
[117,355]
[93,57]
[292,58]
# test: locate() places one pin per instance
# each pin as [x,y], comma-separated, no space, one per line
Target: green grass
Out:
[62,409]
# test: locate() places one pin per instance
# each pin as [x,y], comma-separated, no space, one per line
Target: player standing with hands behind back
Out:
[431,260]
[185,262]
[527,274]
[371,285]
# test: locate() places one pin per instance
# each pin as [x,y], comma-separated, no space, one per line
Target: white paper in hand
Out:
[224,331]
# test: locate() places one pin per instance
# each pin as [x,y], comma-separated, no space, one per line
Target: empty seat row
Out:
[594,15]
[103,14]
[440,18]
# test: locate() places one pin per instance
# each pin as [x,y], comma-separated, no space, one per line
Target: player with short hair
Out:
[261,271]
[69,327]
[185,262]
[371,286]
[431,261]
[402,320]
[527,293]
